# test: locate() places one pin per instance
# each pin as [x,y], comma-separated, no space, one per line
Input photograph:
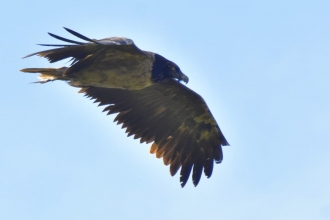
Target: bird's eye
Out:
[173,68]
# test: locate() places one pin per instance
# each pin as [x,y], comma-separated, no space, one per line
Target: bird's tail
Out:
[48,74]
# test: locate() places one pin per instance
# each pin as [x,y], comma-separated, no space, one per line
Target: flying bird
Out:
[144,89]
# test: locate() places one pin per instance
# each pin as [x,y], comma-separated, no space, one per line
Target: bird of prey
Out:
[146,92]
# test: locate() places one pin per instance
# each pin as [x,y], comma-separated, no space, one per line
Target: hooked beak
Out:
[184,78]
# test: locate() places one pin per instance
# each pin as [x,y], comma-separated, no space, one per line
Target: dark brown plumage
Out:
[143,88]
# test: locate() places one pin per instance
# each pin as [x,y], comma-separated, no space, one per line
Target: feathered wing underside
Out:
[173,117]
[80,51]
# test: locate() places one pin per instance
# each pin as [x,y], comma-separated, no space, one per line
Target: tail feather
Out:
[48,74]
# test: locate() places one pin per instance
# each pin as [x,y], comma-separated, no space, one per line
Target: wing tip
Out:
[80,36]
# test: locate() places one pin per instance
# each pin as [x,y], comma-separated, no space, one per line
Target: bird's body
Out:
[152,105]
[122,72]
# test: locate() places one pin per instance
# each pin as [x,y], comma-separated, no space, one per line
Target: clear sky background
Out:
[263,67]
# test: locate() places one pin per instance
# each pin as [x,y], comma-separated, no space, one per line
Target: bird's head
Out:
[172,70]
[164,69]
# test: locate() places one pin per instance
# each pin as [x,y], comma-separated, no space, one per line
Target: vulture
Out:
[144,89]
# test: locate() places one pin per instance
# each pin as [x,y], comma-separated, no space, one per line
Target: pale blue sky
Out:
[263,67]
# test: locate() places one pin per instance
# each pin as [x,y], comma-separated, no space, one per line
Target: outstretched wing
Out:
[93,49]
[173,117]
